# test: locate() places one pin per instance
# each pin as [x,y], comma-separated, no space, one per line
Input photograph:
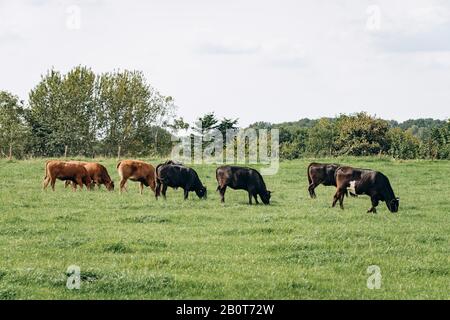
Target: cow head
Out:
[393,205]
[110,185]
[202,192]
[265,196]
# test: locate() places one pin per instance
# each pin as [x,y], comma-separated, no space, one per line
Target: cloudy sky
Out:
[251,59]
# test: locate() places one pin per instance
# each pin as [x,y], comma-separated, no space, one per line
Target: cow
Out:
[136,170]
[363,181]
[320,173]
[178,176]
[98,173]
[65,171]
[242,178]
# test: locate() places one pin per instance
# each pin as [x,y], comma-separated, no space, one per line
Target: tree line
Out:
[361,134]
[119,113]
[82,113]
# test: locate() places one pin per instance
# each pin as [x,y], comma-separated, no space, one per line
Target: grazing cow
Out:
[178,176]
[65,171]
[361,181]
[240,178]
[136,170]
[98,173]
[319,173]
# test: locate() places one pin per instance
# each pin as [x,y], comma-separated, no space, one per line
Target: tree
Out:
[128,106]
[361,135]
[322,137]
[293,142]
[205,123]
[12,126]
[178,124]
[227,124]
[403,144]
[63,113]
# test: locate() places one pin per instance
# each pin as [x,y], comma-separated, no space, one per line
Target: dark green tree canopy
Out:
[89,113]
[13,130]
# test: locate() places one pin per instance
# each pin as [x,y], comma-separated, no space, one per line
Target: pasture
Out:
[133,247]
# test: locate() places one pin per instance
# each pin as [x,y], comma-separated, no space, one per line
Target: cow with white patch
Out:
[362,181]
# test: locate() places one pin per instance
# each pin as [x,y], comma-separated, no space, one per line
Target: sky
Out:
[255,60]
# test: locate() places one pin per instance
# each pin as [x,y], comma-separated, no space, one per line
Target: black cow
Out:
[240,178]
[321,173]
[362,181]
[178,176]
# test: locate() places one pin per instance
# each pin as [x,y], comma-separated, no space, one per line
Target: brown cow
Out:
[136,170]
[320,173]
[363,181]
[65,171]
[98,173]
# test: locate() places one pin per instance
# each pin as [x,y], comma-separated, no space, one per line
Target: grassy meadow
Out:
[133,247]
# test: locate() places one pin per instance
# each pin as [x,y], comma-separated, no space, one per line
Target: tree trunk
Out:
[156,142]
[10,152]
[118,153]
[65,151]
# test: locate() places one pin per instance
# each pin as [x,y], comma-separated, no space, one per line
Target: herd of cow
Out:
[347,180]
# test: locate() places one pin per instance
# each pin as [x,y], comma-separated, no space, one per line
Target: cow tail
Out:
[307,173]
[157,167]
[46,169]
[217,178]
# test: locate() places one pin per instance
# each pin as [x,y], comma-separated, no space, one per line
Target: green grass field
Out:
[133,247]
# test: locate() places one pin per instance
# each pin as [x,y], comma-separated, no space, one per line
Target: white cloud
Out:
[283,53]
[235,46]
[411,28]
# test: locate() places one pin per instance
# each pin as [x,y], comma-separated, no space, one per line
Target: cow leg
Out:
[186,193]
[158,188]
[46,182]
[66,183]
[311,189]
[339,196]
[122,184]
[251,192]
[141,188]
[152,185]
[164,189]
[341,200]
[52,183]
[256,198]
[96,181]
[335,199]
[222,194]
[80,183]
[375,203]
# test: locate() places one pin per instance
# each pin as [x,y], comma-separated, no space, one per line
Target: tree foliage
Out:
[91,114]
[361,135]
[13,131]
